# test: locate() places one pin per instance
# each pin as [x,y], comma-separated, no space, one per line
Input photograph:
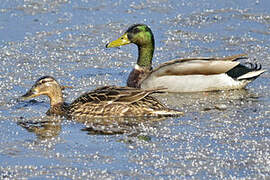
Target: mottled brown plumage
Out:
[108,101]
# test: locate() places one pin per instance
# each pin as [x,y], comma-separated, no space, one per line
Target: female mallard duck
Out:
[183,75]
[108,101]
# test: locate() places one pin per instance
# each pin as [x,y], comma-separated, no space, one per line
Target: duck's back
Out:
[112,101]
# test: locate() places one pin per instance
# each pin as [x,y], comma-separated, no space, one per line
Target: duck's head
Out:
[48,86]
[139,34]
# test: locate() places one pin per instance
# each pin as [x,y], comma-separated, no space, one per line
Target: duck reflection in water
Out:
[46,128]
[50,126]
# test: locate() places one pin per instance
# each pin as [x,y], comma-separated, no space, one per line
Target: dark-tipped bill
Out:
[123,40]
[30,94]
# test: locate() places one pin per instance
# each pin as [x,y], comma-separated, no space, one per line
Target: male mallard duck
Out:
[183,75]
[108,101]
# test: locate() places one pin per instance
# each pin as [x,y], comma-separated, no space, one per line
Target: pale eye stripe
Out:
[43,81]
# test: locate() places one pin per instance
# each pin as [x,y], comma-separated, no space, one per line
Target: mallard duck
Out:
[183,75]
[108,101]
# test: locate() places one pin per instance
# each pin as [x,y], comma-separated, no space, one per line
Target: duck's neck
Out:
[56,102]
[144,63]
[145,55]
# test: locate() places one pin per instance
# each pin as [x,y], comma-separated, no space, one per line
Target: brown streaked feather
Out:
[136,95]
[116,101]
[144,107]
[114,94]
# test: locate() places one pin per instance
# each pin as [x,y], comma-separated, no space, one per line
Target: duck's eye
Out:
[136,30]
[39,83]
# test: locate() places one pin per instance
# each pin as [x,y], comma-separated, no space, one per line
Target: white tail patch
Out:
[251,74]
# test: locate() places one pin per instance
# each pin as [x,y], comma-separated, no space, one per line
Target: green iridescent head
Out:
[142,36]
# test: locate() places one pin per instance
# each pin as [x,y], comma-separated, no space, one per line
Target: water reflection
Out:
[110,126]
[209,100]
[50,126]
[46,128]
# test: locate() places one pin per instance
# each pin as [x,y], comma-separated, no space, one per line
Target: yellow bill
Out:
[123,40]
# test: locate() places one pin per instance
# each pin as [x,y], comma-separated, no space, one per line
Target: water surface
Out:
[222,134]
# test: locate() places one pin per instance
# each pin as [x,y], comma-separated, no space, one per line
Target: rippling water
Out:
[221,135]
